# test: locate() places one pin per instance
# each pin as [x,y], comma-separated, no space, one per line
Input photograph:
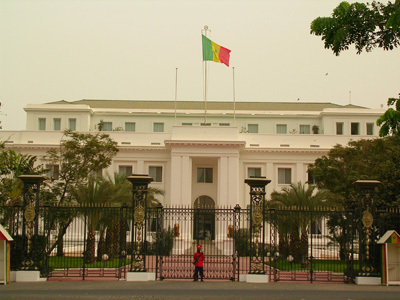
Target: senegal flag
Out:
[215,52]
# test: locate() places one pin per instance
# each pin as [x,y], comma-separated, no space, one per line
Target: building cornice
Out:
[193,143]
[58,108]
[319,151]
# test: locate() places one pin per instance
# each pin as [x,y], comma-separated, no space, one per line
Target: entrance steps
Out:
[208,247]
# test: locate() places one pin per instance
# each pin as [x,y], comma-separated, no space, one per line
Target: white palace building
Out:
[198,151]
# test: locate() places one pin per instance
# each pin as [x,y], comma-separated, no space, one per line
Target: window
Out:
[254,172]
[125,170]
[370,128]
[107,126]
[156,173]
[305,129]
[355,128]
[53,171]
[130,126]
[339,128]
[252,128]
[205,175]
[42,124]
[284,176]
[281,128]
[205,124]
[158,127]
[72,124]
[224,124]
[187,124]
[316,227]
[152,222]
[57,124]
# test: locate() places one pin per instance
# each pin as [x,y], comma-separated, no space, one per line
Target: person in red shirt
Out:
[198,260]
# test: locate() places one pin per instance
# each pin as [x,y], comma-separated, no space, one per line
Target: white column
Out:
[233,181]
[140,168]
[272,176]
[223,181]
[299,172]
[186,181]
[176,179]
[228,181]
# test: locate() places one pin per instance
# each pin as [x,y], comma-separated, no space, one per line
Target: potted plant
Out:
[315,129]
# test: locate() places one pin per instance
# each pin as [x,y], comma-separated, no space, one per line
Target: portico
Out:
[205,164]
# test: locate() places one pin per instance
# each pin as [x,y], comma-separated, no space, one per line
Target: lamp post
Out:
[367,228]
[139,210]
[257,223]
[30,226]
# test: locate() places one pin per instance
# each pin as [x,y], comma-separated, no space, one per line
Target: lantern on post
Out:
[139,209]
[257,223]
[30,225]
[367,228]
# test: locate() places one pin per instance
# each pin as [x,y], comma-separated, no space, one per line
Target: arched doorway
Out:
[204,218]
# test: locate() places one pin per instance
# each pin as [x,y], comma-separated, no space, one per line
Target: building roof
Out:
[211,105]
[4,235]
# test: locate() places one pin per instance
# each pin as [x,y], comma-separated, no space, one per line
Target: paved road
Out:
[194,290]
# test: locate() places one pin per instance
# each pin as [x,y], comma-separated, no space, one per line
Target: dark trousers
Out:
[198,270]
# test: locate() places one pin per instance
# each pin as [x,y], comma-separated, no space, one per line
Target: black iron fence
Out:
[312,245]
[298,244]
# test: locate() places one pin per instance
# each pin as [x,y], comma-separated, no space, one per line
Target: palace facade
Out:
[201,153]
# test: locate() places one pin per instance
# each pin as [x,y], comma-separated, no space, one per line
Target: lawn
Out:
[63,262]
[337,266]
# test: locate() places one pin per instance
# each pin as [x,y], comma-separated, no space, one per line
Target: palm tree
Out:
[293,226]
[115,192]
[119,193]
[95,192]
[123,195]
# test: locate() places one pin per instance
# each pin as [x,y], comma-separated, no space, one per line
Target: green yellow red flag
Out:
[215,52]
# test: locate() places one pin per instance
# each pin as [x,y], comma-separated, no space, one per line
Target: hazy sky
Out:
[129,50]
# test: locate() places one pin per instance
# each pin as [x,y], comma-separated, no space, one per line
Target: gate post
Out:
[236,236]
[30,224]
[159,237]
[139,209]
[367,229]
[272,244]
[257,224]
[348,249]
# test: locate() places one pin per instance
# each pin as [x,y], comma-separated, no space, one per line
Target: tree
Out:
[94,192]
[367,26]
[365,159]
[79,155]
[12,165]
[377,159]
[390,120]
[292,227]
[113,192]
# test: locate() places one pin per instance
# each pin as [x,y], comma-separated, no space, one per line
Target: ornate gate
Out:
[188,227]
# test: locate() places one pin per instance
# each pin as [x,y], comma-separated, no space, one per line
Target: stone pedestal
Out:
[28,276]
[368,280]
[140,276]
[254,278]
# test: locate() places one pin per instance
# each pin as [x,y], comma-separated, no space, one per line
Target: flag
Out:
[215,52]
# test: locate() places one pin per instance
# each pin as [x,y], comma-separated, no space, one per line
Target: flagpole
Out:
[234,96]
[205,82]
[176,91]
